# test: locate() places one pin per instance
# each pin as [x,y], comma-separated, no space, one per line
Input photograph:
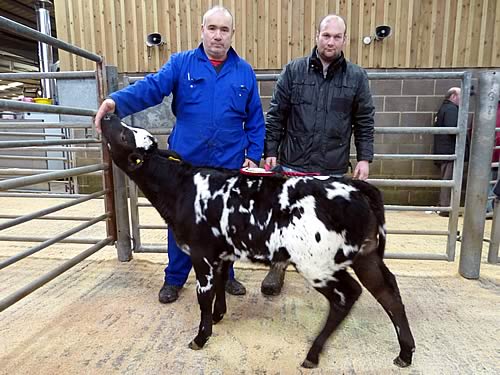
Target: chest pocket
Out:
[342,99]
[302,92]
[239,97]
[192,90]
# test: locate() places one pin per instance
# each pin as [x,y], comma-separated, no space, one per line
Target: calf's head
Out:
[128,145]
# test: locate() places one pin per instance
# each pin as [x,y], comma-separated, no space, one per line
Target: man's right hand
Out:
[270,163]
[108,105]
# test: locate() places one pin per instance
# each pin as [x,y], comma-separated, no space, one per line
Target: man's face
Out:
[331,39]
[216,35]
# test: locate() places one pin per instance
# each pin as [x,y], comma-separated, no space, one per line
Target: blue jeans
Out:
[179,263]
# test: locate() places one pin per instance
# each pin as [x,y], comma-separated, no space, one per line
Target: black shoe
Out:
[235,288]
[273,282]
[169,293]
[444,213]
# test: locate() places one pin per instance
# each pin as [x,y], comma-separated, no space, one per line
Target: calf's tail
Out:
[374,197]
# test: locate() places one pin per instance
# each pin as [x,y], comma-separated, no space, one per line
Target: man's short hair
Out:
[450,92]
[216,9]
[332,16]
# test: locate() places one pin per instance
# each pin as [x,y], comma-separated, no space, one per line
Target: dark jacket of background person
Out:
[319,115]
[447,116]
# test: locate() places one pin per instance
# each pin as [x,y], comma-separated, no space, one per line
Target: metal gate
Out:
[73,137]
[454,184]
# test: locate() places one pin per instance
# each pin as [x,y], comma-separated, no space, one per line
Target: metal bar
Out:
[414,183]
[45,177]
[108,183]
[372,75]
[38,194]
[48,142]
[45,211]
[134,215]
[415,130]
[28,32]
[51,148]
[123,240]
[44,125]
[416,256]
[495,234]
[411,156]
[15,258]
[55,217]
[27,134]
[42,280]
[483,138]
[163,227]
[392,207]
[53,75]
[23,171]
[14,105]
[458,166]
[85,241]
[22,157]
[151,249]
[424,232]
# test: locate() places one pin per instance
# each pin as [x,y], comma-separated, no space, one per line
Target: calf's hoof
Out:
[194,346]
[308,364]
[401,363]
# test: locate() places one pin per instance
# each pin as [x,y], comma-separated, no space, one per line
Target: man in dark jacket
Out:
[319,101]
[444,144]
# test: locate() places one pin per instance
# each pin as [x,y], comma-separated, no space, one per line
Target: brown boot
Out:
[273,282]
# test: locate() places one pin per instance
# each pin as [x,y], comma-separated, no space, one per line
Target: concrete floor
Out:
[103,317]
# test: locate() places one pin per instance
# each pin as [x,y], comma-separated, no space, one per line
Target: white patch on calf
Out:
[202,196]
[341,296]
[339,190]
[283,197]
[143,138]
[209,277]
[215,232]
[315,261]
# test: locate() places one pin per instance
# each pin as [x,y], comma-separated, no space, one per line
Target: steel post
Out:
[482,142]
[495,234]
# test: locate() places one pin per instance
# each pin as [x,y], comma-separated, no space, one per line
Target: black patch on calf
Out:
[318,237]
[281,256]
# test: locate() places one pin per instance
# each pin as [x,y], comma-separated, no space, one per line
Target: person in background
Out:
[444,144]
[318,103]
[219,118]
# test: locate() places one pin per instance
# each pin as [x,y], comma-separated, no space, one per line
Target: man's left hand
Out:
[361,171]
[249,164]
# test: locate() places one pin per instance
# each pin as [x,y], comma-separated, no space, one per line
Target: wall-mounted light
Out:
[381,32]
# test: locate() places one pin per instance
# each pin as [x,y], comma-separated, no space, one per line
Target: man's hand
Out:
[361,171]
[108,105]
[249,164]
[270,163]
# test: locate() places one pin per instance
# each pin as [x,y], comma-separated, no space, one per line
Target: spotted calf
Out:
[320,225]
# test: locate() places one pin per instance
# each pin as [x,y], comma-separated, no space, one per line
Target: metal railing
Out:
[33,176]
[454,184]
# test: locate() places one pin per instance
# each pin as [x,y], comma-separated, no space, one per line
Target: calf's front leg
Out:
[205,290]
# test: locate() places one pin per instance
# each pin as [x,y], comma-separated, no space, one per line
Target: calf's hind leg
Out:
[381,283]
[341,295]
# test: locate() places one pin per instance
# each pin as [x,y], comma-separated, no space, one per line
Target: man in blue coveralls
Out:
[219,119]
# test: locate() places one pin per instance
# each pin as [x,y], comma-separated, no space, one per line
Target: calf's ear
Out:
[135,161]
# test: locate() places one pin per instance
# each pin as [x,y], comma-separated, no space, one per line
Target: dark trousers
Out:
[446,174]
[179,263]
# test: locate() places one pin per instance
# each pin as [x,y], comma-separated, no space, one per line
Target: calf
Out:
[321,226]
